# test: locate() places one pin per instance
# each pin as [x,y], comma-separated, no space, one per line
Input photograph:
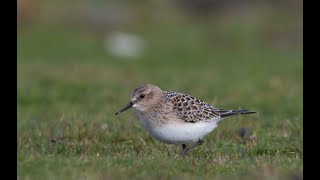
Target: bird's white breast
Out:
[179,132]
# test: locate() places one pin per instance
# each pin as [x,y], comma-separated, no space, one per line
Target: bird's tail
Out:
[226,113]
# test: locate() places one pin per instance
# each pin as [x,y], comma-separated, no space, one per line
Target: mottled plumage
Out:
[176,118]
[190,109]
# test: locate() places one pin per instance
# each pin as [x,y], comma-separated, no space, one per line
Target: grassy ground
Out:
[69,90]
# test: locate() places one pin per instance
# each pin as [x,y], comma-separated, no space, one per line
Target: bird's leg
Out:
[196,144]
[185,149]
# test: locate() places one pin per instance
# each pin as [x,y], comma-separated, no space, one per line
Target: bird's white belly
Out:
[179,133]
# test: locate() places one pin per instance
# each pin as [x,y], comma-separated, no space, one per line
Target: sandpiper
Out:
[176,118]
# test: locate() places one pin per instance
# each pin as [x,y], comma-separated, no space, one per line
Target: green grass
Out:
[69,90]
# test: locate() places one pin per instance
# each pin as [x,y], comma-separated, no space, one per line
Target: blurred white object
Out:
[124,44]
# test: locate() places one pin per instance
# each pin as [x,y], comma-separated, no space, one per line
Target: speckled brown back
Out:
[190,109]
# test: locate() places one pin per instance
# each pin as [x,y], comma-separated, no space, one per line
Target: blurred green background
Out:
[78,62]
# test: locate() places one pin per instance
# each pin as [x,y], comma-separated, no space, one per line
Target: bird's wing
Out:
[191,109]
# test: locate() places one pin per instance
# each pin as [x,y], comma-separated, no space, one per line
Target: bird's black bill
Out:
[128,106]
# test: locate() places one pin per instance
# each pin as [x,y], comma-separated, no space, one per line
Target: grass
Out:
[69,90]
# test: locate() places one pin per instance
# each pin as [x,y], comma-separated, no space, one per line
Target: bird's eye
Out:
[142,96]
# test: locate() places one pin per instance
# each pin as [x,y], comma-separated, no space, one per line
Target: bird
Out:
[176,118]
